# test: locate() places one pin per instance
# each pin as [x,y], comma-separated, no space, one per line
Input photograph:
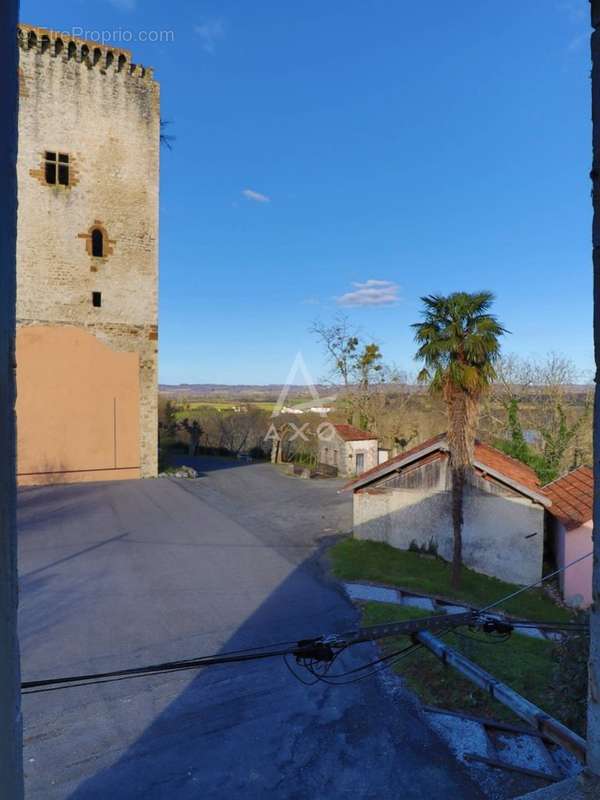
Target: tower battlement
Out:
[93,55]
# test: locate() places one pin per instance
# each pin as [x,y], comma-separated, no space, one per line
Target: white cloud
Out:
[256,196]
[209,33]
[371,293]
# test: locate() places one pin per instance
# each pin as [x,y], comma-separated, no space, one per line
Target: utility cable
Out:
[309,652]
[536,583]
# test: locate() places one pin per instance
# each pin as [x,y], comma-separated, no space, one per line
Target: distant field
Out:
[220,405]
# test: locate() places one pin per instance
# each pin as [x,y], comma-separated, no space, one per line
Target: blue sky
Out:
[351,157]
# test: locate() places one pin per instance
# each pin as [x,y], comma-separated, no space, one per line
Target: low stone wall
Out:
[297,471]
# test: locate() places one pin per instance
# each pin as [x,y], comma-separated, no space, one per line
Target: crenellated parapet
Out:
[105,59]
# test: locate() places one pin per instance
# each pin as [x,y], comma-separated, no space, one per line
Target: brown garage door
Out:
[77,407]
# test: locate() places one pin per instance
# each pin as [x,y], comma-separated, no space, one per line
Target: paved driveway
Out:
[122,574]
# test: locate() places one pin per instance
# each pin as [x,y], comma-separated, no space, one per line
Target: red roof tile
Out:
[507,466]
[351,434]
[572,497]
[485,455]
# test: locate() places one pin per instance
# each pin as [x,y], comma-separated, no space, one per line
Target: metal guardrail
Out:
[549,727]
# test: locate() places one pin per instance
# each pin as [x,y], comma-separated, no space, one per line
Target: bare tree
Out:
[340,341]
[194,431]
[166,139]
[358,366]
[540,414]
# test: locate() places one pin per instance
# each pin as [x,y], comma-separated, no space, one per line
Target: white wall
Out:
[497,530]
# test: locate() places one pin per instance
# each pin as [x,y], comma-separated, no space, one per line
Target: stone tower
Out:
[87,255]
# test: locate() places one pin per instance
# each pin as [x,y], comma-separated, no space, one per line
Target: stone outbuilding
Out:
[406,502]
[571,523]
[349,449]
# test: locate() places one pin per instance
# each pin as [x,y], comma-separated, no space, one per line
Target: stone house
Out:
[570,524]
[87,261]
[349,449]
[406,502]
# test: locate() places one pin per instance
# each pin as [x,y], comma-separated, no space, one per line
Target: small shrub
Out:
[432,547]
[569,684]
[429,549]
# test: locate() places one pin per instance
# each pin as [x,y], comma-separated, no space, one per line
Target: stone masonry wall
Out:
[91,103]
[346,454]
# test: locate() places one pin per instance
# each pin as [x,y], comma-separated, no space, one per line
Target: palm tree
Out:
[458,342]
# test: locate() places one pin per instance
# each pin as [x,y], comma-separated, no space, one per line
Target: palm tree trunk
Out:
[462,417]
[458,485]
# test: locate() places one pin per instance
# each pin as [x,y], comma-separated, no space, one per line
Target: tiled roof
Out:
[485,455]
[506,465]
[351,434]
[572,497]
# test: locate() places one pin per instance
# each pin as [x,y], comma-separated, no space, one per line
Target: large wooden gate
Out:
[77,408]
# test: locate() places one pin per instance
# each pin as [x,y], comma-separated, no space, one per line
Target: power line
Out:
[306,651]
[235,656]
[536,583]
[326,649]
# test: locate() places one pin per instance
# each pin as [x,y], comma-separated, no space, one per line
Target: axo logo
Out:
[299,375]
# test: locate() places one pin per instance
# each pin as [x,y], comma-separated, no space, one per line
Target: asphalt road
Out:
[115,575]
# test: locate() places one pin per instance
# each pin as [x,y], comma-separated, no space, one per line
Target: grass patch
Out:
[355,560]
[524,663]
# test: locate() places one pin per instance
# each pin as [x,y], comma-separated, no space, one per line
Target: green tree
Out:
[368,370]
[458,343]
[557,437]
[167,421]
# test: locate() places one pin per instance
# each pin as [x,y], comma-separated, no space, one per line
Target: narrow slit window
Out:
[97,299]
[63,169]
[97,243]
[56,168]
[51,168]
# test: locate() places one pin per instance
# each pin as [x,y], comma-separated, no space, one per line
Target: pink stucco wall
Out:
[577,580]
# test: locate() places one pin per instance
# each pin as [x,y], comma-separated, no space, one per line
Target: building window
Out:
[97,243]
[97,299]
[56,167]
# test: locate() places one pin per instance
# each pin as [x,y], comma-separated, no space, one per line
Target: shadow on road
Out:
[250,730]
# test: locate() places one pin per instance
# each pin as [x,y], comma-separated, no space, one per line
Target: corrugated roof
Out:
[351,434]
[572,497]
